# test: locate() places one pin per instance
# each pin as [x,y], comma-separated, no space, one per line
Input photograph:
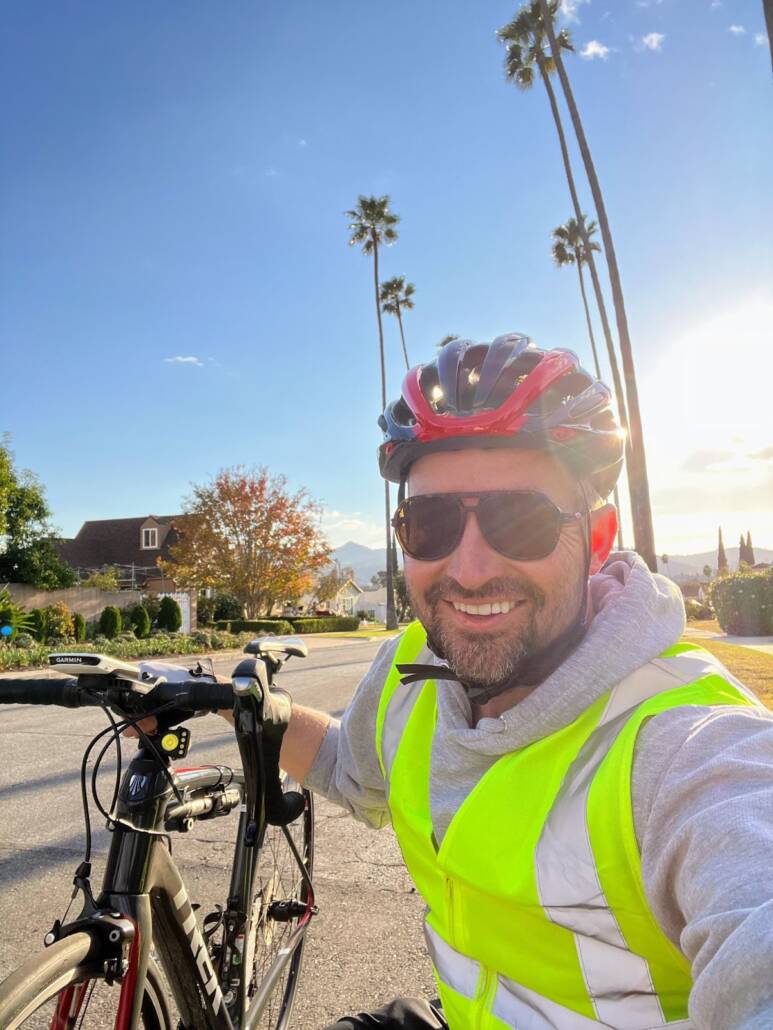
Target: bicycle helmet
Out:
[507,393]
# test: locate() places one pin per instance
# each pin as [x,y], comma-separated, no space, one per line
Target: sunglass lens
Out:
[522,526]
[428,528]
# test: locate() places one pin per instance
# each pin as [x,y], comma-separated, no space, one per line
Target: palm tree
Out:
[373,224]
[767,6]
[397,294]
[447,339]
[526,43]
[572,245]
[638,481]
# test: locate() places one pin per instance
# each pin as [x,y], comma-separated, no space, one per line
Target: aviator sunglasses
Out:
[522,525]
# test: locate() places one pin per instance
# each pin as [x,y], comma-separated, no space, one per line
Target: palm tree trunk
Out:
[617,382]
[767,6]
[615,492]
[391,616]
[402,336]
[644,537]
[578,262]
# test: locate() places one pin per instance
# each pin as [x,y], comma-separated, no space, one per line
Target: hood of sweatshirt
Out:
[636,616]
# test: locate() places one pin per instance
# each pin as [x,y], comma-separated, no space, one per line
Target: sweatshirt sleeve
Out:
[346,769]
[703,809]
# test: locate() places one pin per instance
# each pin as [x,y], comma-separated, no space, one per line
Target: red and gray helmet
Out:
[507,393]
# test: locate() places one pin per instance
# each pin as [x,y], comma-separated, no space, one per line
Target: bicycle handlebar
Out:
[188,696]
[191,695]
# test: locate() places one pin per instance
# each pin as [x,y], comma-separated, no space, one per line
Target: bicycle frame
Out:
[142,882]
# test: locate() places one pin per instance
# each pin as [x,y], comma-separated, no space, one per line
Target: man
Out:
[585,804]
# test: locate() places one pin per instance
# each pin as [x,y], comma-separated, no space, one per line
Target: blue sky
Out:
[173,179]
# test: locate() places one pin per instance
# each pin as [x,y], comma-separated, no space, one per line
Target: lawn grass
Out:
[753,668]
[707,625]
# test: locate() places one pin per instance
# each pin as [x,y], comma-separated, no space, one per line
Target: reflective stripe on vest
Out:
[537,913]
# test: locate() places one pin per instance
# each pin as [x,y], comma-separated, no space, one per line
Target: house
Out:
[373,601]
[693,591]
[131,545]
[345,602]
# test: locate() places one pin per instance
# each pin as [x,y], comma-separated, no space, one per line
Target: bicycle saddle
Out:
[274,647]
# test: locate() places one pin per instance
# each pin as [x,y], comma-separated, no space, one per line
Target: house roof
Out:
[117,542]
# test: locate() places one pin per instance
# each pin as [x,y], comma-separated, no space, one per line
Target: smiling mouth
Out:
[483,610]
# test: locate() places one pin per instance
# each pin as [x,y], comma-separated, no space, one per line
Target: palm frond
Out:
[562,255]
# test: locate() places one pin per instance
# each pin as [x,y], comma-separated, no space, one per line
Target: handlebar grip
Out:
[62,692]
[195,695]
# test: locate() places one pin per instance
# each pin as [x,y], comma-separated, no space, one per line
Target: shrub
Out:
[205,609]
[697,610]
[203,638]
[743,602]
[140,621]
[152,603]
[24,640]
[110,622]
[13,615]
[107,579]
[79,627]
[227,607]
[59,622]
[328,624]
[39,624]
[279,626]
[169,615]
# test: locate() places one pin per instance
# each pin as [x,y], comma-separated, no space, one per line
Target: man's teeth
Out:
[497,608]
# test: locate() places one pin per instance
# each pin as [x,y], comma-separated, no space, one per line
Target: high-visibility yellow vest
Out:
[536,911]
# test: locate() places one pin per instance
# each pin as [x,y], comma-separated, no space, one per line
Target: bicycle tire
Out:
[278,878]
[29,997]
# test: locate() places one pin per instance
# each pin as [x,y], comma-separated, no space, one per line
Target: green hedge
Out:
[326,624]
[110,622]
[159,646]
[743,602]
[281,627]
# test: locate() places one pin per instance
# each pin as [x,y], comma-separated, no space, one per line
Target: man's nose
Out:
[474,561]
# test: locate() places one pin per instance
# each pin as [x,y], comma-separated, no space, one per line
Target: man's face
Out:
[543,596]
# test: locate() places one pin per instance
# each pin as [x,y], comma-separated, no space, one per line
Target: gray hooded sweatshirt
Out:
[702,787]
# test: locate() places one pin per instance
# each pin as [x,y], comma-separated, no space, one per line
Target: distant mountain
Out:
[690,566]
[367,561]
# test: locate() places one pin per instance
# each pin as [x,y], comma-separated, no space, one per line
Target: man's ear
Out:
[603,529]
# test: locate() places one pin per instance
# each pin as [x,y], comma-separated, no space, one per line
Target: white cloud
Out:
[760,38]
[340,527]
[568,8]
[737,30]
[594,49]
[653,40]
[189,360]
[270,172]
[715,4]
[302,143]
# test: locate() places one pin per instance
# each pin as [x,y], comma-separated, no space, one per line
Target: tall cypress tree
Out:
[722,566]
[749,548]
[742,558]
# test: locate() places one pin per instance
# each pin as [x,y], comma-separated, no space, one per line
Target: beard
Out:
[480,659]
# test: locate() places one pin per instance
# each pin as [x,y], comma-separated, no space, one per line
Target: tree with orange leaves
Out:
[246,534]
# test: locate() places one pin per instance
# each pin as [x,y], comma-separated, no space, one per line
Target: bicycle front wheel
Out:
[281,904]
[61,988]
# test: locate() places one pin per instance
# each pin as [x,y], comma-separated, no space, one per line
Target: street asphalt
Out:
[365,946]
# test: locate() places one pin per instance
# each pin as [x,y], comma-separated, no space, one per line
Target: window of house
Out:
[149,539]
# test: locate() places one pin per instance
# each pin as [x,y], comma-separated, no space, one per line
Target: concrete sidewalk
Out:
[764,644]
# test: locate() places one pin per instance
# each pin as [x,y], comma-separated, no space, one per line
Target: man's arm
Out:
[703,809]
[302,740]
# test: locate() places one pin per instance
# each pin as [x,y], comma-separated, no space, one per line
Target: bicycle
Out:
[110,966]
